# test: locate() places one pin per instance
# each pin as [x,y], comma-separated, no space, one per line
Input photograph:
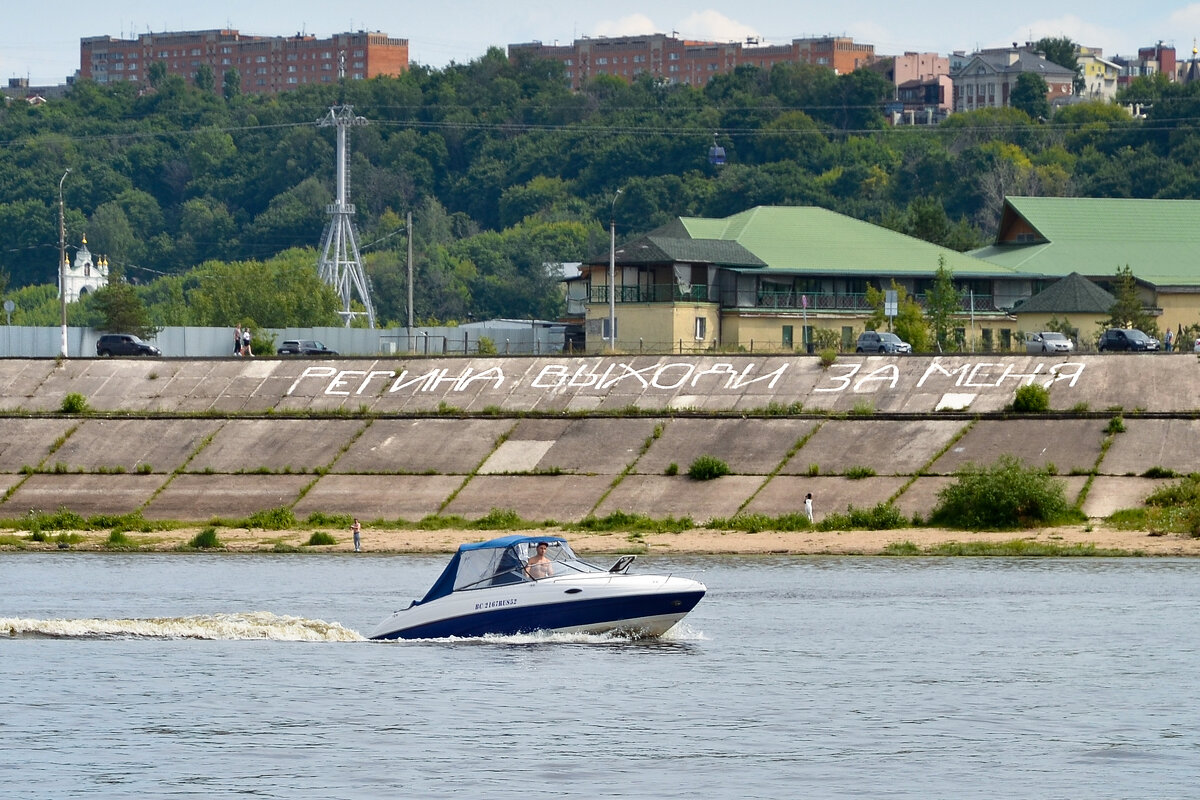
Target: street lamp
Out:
[62,262]
[612,273]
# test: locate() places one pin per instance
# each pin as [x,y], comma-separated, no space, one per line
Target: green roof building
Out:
[771,276]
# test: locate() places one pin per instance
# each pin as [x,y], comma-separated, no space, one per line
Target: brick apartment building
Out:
[267,64]
[690,62]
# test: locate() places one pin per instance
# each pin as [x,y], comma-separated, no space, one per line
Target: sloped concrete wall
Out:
[558,439]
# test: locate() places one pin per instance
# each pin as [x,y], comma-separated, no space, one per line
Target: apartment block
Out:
[266,64]
[690,62]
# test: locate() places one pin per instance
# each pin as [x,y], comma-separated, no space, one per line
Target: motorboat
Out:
[522,584]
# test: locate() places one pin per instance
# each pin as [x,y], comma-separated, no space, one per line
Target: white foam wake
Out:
[253,625]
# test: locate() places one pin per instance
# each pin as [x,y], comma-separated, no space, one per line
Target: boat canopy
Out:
[482,564]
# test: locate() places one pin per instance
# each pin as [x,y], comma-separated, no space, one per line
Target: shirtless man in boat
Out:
[539,566]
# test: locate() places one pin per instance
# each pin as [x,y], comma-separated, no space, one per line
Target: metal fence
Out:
[519,337]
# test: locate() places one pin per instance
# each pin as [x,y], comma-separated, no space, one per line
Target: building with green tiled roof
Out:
[1159,240]
[770,276]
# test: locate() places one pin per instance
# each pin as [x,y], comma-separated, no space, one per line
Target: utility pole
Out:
[62,262]
[612,273]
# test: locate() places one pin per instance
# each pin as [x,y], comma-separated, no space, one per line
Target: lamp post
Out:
[612,273]
[62,263]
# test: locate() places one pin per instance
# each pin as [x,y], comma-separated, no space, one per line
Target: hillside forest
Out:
[211,204]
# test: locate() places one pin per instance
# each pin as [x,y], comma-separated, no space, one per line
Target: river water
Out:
[189,676]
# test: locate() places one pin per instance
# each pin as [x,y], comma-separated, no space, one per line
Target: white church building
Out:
[84,275]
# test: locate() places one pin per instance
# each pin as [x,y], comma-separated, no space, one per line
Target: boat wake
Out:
[253,625]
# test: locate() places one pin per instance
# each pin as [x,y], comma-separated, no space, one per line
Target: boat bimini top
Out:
[480,565]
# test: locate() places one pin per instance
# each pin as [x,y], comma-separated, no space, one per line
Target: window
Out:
[1006,339]
[847,337]
[988,345]
[787,336]
[605,334]
[602,60]
[701,328]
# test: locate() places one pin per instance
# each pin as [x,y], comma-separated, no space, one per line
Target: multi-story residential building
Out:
[1099,75]
[924,89]
[689,62]
[266,64]
[1149,61]
[989,77]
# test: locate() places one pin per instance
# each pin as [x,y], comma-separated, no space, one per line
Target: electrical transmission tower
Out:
[341,266]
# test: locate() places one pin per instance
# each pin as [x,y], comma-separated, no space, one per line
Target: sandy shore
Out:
[698,541]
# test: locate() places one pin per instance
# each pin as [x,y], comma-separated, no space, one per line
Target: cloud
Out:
[706,25]
[633,25]
[716,26]
[1074,28]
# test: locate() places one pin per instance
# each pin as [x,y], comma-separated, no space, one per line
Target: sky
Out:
[43,43]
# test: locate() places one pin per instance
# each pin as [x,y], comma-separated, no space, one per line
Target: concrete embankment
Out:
[560,438]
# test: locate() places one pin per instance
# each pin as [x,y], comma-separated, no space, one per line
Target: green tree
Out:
[204,79]
[942,303]
[1129,311]
[1061,50]
[231,84]
[156,73]
[909,322]
[1031,96]
[122,311]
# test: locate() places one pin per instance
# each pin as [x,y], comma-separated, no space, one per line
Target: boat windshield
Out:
[517,563]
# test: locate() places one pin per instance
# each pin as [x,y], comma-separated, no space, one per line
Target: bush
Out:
[205,539]
[879,517]
[858,473]
[1031,399]
[1115,425]
[705,468]
[320,538]
[74,403]
[672,469]
[1007,494]
[485,346]
[272,519]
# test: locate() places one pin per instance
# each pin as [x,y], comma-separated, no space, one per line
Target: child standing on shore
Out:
[356,529]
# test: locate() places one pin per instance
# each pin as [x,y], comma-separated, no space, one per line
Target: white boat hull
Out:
[640,605]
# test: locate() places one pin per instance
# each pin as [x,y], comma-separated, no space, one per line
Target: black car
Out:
[1126,339]
[124,344]
[304,347]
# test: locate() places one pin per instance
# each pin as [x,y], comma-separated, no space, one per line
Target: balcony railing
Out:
[764,300]
[657,293]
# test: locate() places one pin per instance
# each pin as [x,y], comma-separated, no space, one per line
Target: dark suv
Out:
[304,347]
[1126,339]
[124,344]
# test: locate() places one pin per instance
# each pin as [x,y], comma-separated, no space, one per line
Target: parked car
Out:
[875,342]
[304,347]
[1126,339]
[124,344]
[1048,342]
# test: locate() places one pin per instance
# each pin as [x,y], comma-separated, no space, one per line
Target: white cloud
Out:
[633,25]
[716,26]
[1074,28]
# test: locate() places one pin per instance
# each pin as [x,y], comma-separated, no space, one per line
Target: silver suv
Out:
[876,342]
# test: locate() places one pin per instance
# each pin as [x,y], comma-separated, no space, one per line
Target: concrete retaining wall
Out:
[404,438]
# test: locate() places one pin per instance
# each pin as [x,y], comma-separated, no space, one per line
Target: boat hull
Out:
[644,606]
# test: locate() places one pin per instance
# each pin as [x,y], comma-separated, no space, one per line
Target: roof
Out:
[508,541]
[658,246]
[1073,294]
[811,239]
[1159,240]
[1025,61]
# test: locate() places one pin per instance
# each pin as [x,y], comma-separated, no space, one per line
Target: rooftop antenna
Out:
[340,265]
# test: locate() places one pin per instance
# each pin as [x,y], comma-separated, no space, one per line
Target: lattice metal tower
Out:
[340,264]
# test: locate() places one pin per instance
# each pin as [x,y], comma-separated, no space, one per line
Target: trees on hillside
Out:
[503,161]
